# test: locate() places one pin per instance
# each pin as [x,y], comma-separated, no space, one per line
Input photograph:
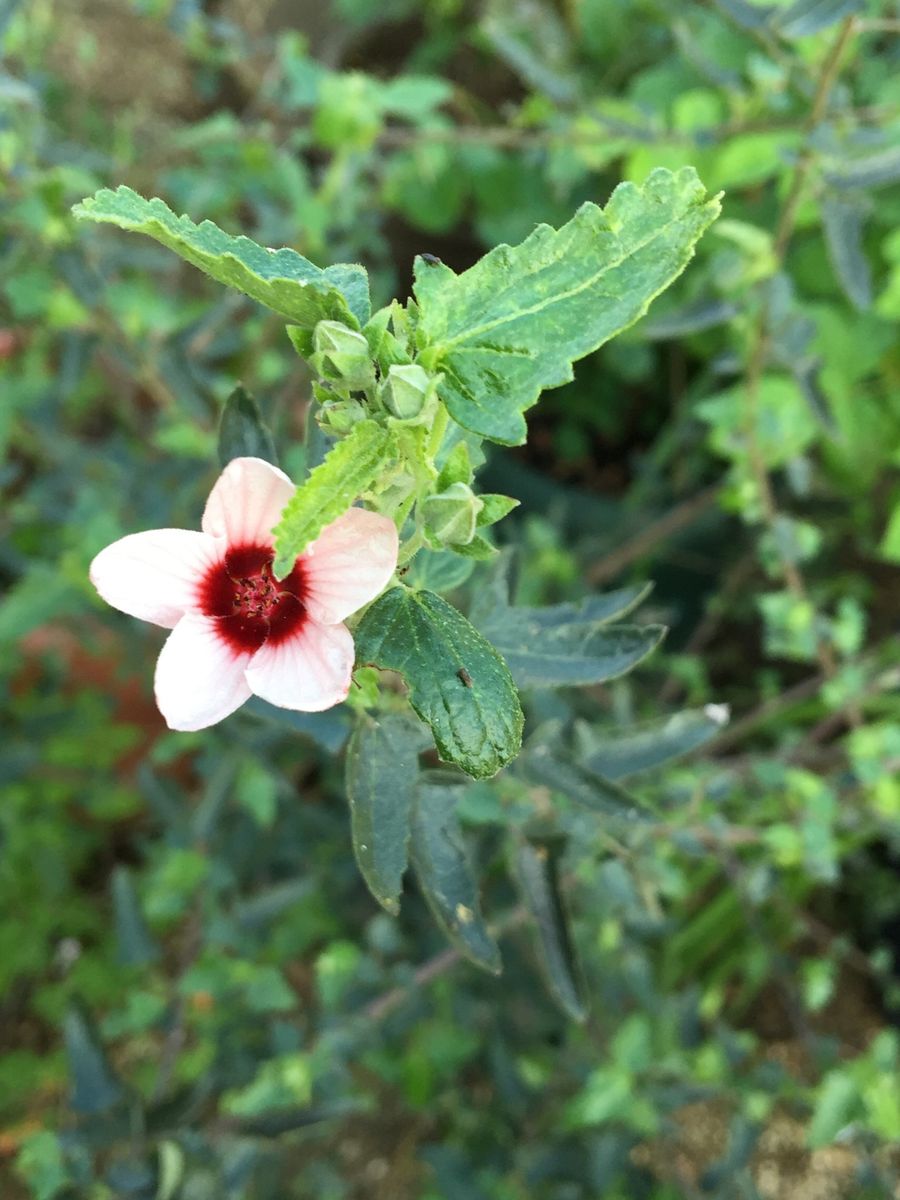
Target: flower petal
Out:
[199,678]
[348,564]
[246,502]
[154,575]
[309,671]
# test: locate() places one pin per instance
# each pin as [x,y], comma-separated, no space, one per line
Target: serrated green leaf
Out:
[135,945]
[283,280]
[95,1086]
[330,489]
[381,774]
[242,431]
[513,324]
[538,876]
[438,855]
[623,754]
[458,683]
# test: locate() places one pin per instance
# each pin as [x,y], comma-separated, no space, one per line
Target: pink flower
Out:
[236,630]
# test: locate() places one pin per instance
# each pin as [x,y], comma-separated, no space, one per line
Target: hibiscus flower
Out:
[238,631]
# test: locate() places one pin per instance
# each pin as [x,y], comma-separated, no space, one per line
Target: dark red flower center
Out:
[249,604]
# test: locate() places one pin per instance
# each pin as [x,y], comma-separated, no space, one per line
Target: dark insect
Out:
[431,259]
[464,677]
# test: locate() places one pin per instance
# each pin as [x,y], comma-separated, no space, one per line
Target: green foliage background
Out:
[199,997]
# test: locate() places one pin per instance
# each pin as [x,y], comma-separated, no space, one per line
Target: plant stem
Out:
[761,344]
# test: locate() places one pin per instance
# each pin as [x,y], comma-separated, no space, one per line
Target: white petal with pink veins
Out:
[308,672]
[154,575]
[245,504]
[348,564]
[199,677]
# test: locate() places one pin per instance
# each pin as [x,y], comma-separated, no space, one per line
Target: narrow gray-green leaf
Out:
[242,431]
[458,683]
[283,280]
[867,171]
[513,324]
[806,17]
[538,875]
[95,1086]
[381,774]
[622,754]
[438,855]
[135,946]
[571,653]
[553,767]
[330,489]
[844,221]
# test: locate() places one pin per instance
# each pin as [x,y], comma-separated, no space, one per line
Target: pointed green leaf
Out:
[242,431]
[95,1087]
[457,468]
[439,570]
[513,324]
[538,876]
[438,855]
[349,468]
[623,754]
[496,507]
[458,683]
[283,280]
[135,945]
[381,773]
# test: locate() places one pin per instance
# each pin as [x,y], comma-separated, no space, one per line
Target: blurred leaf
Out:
[537,870]
[95,1086]
[136,947]
[551,765]
[329,490]
[381,772]
[282,280]
[869,171]
[442,868]
[690,318]
[41,1163]
[843,222]
[805,17]
[329,730]
[512,325]
[171,1170]
[242,431]
[837,1103]
[623,754]
[458,683]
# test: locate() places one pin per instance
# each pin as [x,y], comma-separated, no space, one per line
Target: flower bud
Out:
[339,416]
[406,392]
[342,355]
[451,515]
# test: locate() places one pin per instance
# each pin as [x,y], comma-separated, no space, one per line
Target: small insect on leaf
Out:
[431,259]
[464,677]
